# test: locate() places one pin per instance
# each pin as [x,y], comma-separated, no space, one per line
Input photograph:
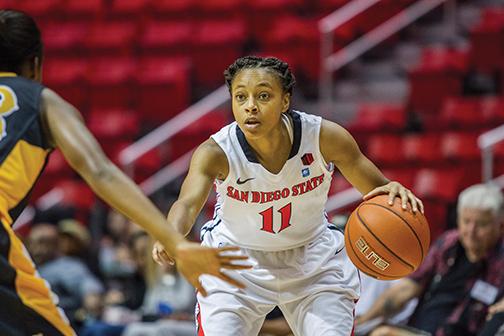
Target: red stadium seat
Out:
[325,7]
[198,132]
[486,53]
[436,77]
[114,125]
[460,113]
[460,151]
[64,38]
[299,39]
[262,13]
[41,9]
[404,176]
[172,38]
[275,5]
[218,43]
[145,166]
[460,146]
[176,9]
[439,185]
[78,195]
[163,88]
[83,10]
[498,154]
[129,8]
[114,38]
[421,149]
[491,110]
[379,117]
[437,216]
[66,77]
[220,8]
[384,150]
[111,82]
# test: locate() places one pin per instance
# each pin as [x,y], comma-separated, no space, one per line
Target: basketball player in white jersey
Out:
[272,170]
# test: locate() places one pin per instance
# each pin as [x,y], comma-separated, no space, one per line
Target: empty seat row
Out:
[133,8]
[158,88]
[424,148]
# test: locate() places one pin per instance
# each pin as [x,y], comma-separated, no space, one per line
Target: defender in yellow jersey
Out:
[33,121]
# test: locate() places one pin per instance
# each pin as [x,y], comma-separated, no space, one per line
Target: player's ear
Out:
[37,68]
[32,69]
[286,102]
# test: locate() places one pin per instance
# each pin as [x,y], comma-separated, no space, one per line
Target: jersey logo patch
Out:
[307,159]
[238,181]
[305,172]
[8,105]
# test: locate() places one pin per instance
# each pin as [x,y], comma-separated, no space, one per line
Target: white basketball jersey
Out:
[259,210]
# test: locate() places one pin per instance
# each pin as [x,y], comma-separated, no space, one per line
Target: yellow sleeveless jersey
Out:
[24,148]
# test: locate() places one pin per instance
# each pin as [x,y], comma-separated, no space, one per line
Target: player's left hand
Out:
[395,189]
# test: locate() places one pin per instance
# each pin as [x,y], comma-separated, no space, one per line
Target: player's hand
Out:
[160,256]
[194,260]
[396,189]
[495,308]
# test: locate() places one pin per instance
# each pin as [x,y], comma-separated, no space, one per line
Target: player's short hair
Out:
[484,197]
[19,40]
[273,64]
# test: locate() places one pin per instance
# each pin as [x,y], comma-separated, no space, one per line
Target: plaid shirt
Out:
[439,262]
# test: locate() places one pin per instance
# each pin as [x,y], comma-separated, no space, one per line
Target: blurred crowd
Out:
[108,283]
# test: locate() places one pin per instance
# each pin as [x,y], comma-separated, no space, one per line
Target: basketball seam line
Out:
[407,224]
[363,264]
[381,242]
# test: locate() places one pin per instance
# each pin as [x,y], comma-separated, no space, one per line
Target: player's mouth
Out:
[252,123]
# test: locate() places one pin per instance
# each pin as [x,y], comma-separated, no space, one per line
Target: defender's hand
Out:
[396,189]
[194,260]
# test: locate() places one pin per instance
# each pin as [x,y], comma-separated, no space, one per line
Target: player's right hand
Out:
[194,260]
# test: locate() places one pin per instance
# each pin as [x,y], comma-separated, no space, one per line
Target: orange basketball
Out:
[384,241]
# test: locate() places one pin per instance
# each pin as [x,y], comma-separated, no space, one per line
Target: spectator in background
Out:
[115,257]
[74,238]
[165,287]
[69,277]
[75,241]
[462,278]
[168,306]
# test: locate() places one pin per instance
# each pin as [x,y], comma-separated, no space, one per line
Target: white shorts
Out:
[316,287]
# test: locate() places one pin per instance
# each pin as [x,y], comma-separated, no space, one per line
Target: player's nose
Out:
[251,106]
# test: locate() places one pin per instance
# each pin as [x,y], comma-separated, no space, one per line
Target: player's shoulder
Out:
[209,151]
[210,159]
[332,130]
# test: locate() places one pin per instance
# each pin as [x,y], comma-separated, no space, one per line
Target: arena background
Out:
[419,83]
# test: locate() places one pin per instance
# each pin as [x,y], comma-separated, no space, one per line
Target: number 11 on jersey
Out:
[267,218]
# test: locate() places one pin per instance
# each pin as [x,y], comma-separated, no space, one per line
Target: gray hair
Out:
[482,196]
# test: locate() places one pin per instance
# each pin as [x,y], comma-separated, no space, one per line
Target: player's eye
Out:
[240,97]
[264,96]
